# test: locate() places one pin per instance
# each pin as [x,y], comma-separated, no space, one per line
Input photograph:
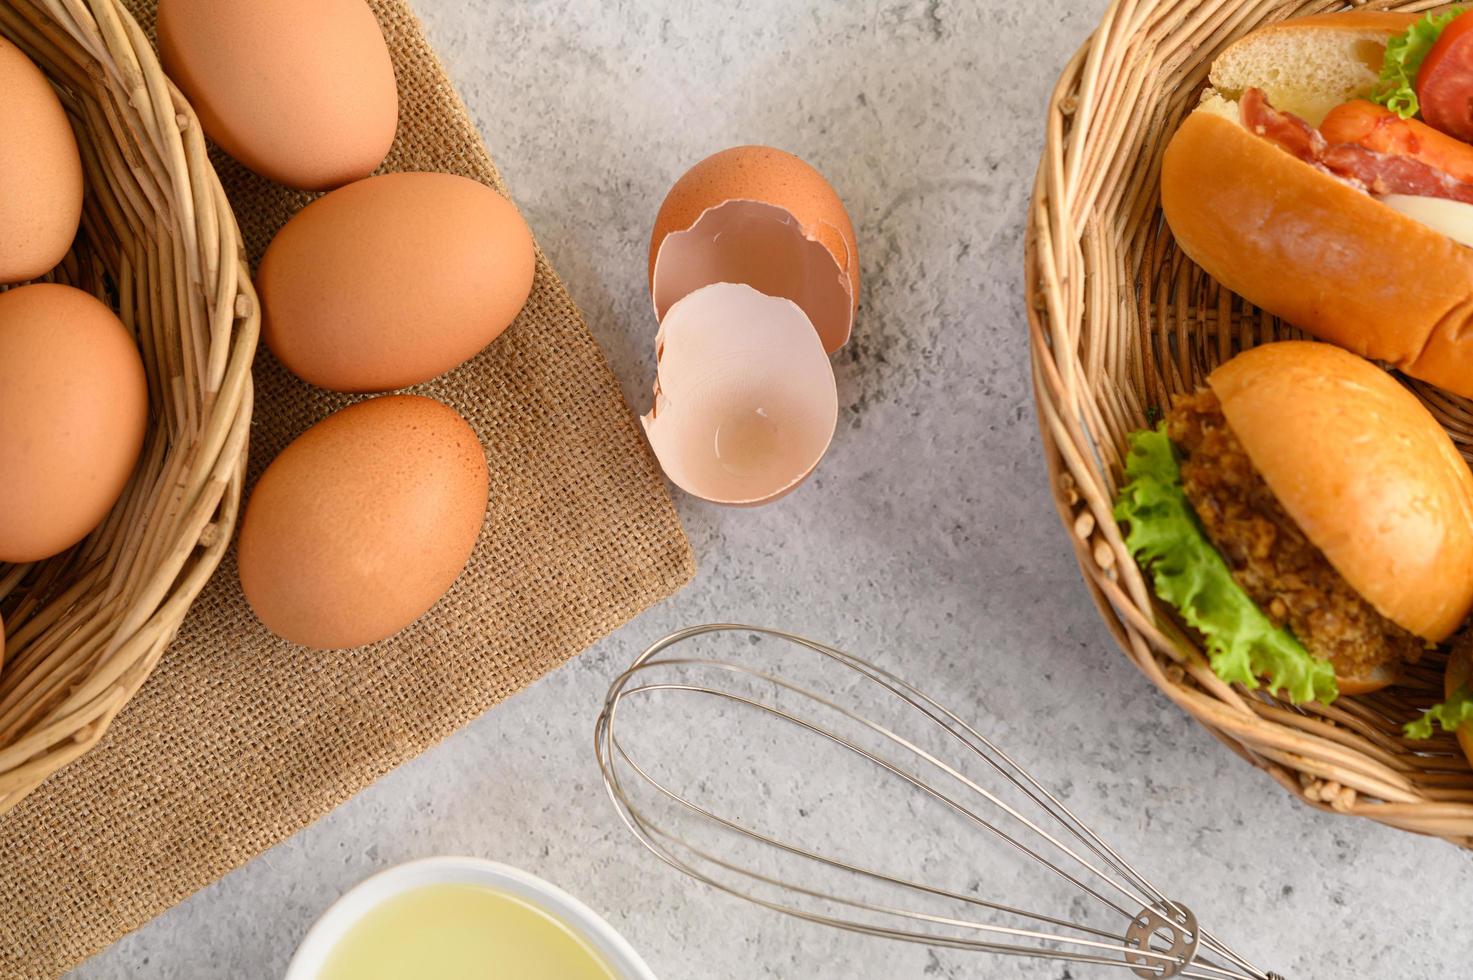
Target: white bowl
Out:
[343,914]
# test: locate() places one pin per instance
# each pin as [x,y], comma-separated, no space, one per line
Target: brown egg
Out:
[300,92]
[73,414]
[40,171]
[766,219]
[394,280]
[363,522]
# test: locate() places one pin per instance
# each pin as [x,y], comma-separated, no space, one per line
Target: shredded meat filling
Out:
[1286,575]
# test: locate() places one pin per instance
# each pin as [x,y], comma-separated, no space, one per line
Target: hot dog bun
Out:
[1300,243]
[1379,490]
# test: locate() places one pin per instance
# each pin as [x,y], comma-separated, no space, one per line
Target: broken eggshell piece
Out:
[762,246]
[763,217]
[745,399]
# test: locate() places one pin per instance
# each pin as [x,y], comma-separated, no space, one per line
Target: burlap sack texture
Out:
[239,740]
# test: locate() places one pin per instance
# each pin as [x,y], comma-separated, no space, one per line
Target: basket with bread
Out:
[1252,332]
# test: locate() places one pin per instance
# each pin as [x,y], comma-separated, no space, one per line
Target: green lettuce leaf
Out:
[1243,645]
[1451,714]
[1405,53]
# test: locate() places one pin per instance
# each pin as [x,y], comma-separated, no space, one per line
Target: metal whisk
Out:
[881,877]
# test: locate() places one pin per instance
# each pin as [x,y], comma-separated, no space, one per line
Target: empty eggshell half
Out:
[762,246]
[745,399]
[765,218]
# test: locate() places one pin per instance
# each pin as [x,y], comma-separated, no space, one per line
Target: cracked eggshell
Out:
[765,218]
[745,400]
[762,246]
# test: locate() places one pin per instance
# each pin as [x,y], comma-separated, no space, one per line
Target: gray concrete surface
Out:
[927,538]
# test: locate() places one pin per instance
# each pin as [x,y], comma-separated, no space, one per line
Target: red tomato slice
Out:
[1445,81]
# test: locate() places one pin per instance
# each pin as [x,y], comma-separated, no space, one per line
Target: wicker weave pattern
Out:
[1119,320]
[160,244]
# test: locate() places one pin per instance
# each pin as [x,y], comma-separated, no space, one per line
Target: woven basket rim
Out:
[87,627]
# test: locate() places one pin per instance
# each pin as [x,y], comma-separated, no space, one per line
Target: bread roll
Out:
[1365,471]
[1300,243]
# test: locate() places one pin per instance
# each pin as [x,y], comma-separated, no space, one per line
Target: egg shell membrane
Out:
[766,247]
[745,400]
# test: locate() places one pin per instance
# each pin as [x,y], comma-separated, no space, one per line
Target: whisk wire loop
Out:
[1158,937]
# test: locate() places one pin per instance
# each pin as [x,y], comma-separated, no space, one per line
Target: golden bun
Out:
[1301,244]
[1365,471]
[1321,255]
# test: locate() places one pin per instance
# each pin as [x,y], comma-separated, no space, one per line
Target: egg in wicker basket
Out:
[1120,321]
[159,244]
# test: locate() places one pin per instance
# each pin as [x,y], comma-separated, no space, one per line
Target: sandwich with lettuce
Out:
[1454,715]
[1307,518]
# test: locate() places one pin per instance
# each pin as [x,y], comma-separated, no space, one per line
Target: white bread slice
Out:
[1216,104]
[1309,65]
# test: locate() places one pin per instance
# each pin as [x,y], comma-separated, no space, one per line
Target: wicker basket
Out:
[1120,320]
[159,243]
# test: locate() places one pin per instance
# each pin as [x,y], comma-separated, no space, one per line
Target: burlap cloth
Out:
[239,740]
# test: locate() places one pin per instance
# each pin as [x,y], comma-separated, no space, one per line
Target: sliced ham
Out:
[1378,173]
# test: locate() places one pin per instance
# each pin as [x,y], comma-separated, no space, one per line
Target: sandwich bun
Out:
[1309,65]
[1460,674]
[1368,682]
[1302,244]
[1367,474]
